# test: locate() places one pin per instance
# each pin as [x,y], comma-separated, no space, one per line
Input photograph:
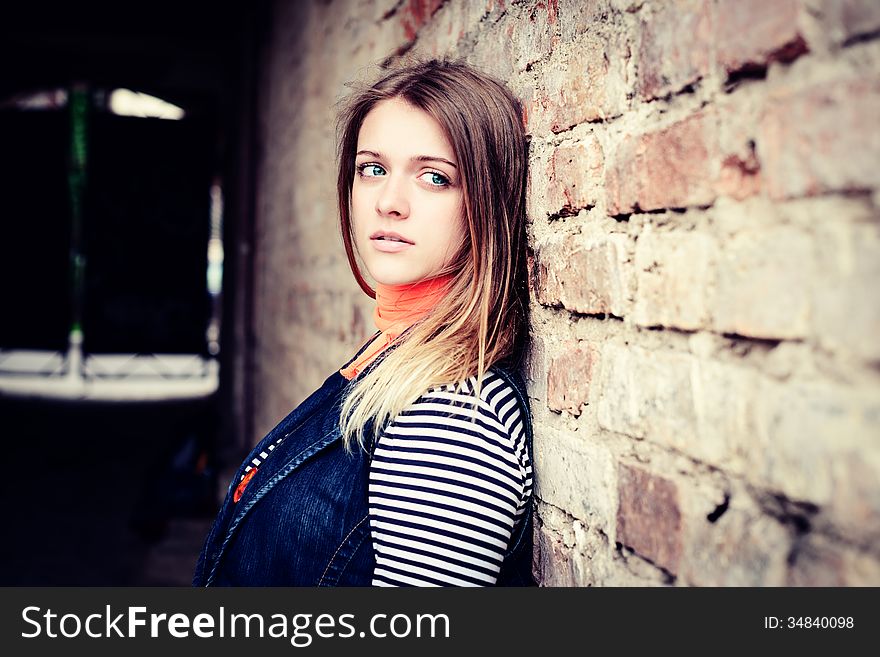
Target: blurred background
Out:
[125,167]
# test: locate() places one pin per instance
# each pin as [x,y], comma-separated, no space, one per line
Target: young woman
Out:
[411,465]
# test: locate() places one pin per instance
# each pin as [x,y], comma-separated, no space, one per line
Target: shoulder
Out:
[495,398]
[490,417]
[472,441]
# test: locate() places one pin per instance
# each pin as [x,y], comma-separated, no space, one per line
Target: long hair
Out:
[483,319]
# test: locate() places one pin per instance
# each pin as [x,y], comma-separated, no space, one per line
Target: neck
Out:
[399,306]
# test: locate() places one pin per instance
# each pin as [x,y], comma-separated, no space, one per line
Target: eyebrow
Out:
[415,158]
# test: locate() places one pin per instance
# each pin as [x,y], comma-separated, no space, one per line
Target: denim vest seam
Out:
[347,536]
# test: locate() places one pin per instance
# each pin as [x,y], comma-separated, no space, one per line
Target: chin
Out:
[395,280]
[394,277]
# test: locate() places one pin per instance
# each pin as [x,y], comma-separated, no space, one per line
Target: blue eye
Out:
[370,170]
[437,179]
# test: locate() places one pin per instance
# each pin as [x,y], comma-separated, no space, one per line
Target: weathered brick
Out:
[854,510]
[819,561]
[568,553]
[413,14]
[386,38]
[575,175]
[804,149]
[577,476]
[724,409]
[443,33]
[535,369]
[672,270]
[753,33]
[740,176]
[763,283]
[846,306]
[740,547]
[632,569]
[647,394]
[555,563]
[585,274]
[674,49]
[495,59]
[820,444]
[457,22]
[848,20]
[649,518]
[533,32]
[569,376]
[674,167]
[538,184]
[579,16]
[579,85]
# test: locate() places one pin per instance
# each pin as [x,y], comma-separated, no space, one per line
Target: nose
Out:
[392,200]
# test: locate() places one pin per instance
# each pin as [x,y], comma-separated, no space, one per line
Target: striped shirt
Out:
[445,493]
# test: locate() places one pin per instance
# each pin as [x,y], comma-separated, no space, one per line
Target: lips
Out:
[389,236]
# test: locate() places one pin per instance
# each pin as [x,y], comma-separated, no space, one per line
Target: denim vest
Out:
[303,519]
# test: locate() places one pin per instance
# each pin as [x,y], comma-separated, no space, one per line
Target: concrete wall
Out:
[705,183]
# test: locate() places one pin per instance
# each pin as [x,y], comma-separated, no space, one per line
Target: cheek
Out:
[357,209]
[356,202]
[459,226]
[455,236]
[462,239]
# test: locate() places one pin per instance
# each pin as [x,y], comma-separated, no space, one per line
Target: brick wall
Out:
[704,192]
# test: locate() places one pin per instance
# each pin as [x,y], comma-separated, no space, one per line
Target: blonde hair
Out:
[483,319]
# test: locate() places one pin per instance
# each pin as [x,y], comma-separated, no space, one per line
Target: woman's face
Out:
[406,186]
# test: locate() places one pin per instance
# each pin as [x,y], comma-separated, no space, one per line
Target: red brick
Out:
[575,176]
[649,517]
[415,14]
[675,167]
[675,47]
[740,177]
[753,33]
[585,276]
[822,139]
[740,169]
[554,563]
[569,376]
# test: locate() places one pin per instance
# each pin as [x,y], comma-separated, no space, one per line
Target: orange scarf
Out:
[397,308]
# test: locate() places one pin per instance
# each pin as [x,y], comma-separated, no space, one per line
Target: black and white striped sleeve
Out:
[445,493]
